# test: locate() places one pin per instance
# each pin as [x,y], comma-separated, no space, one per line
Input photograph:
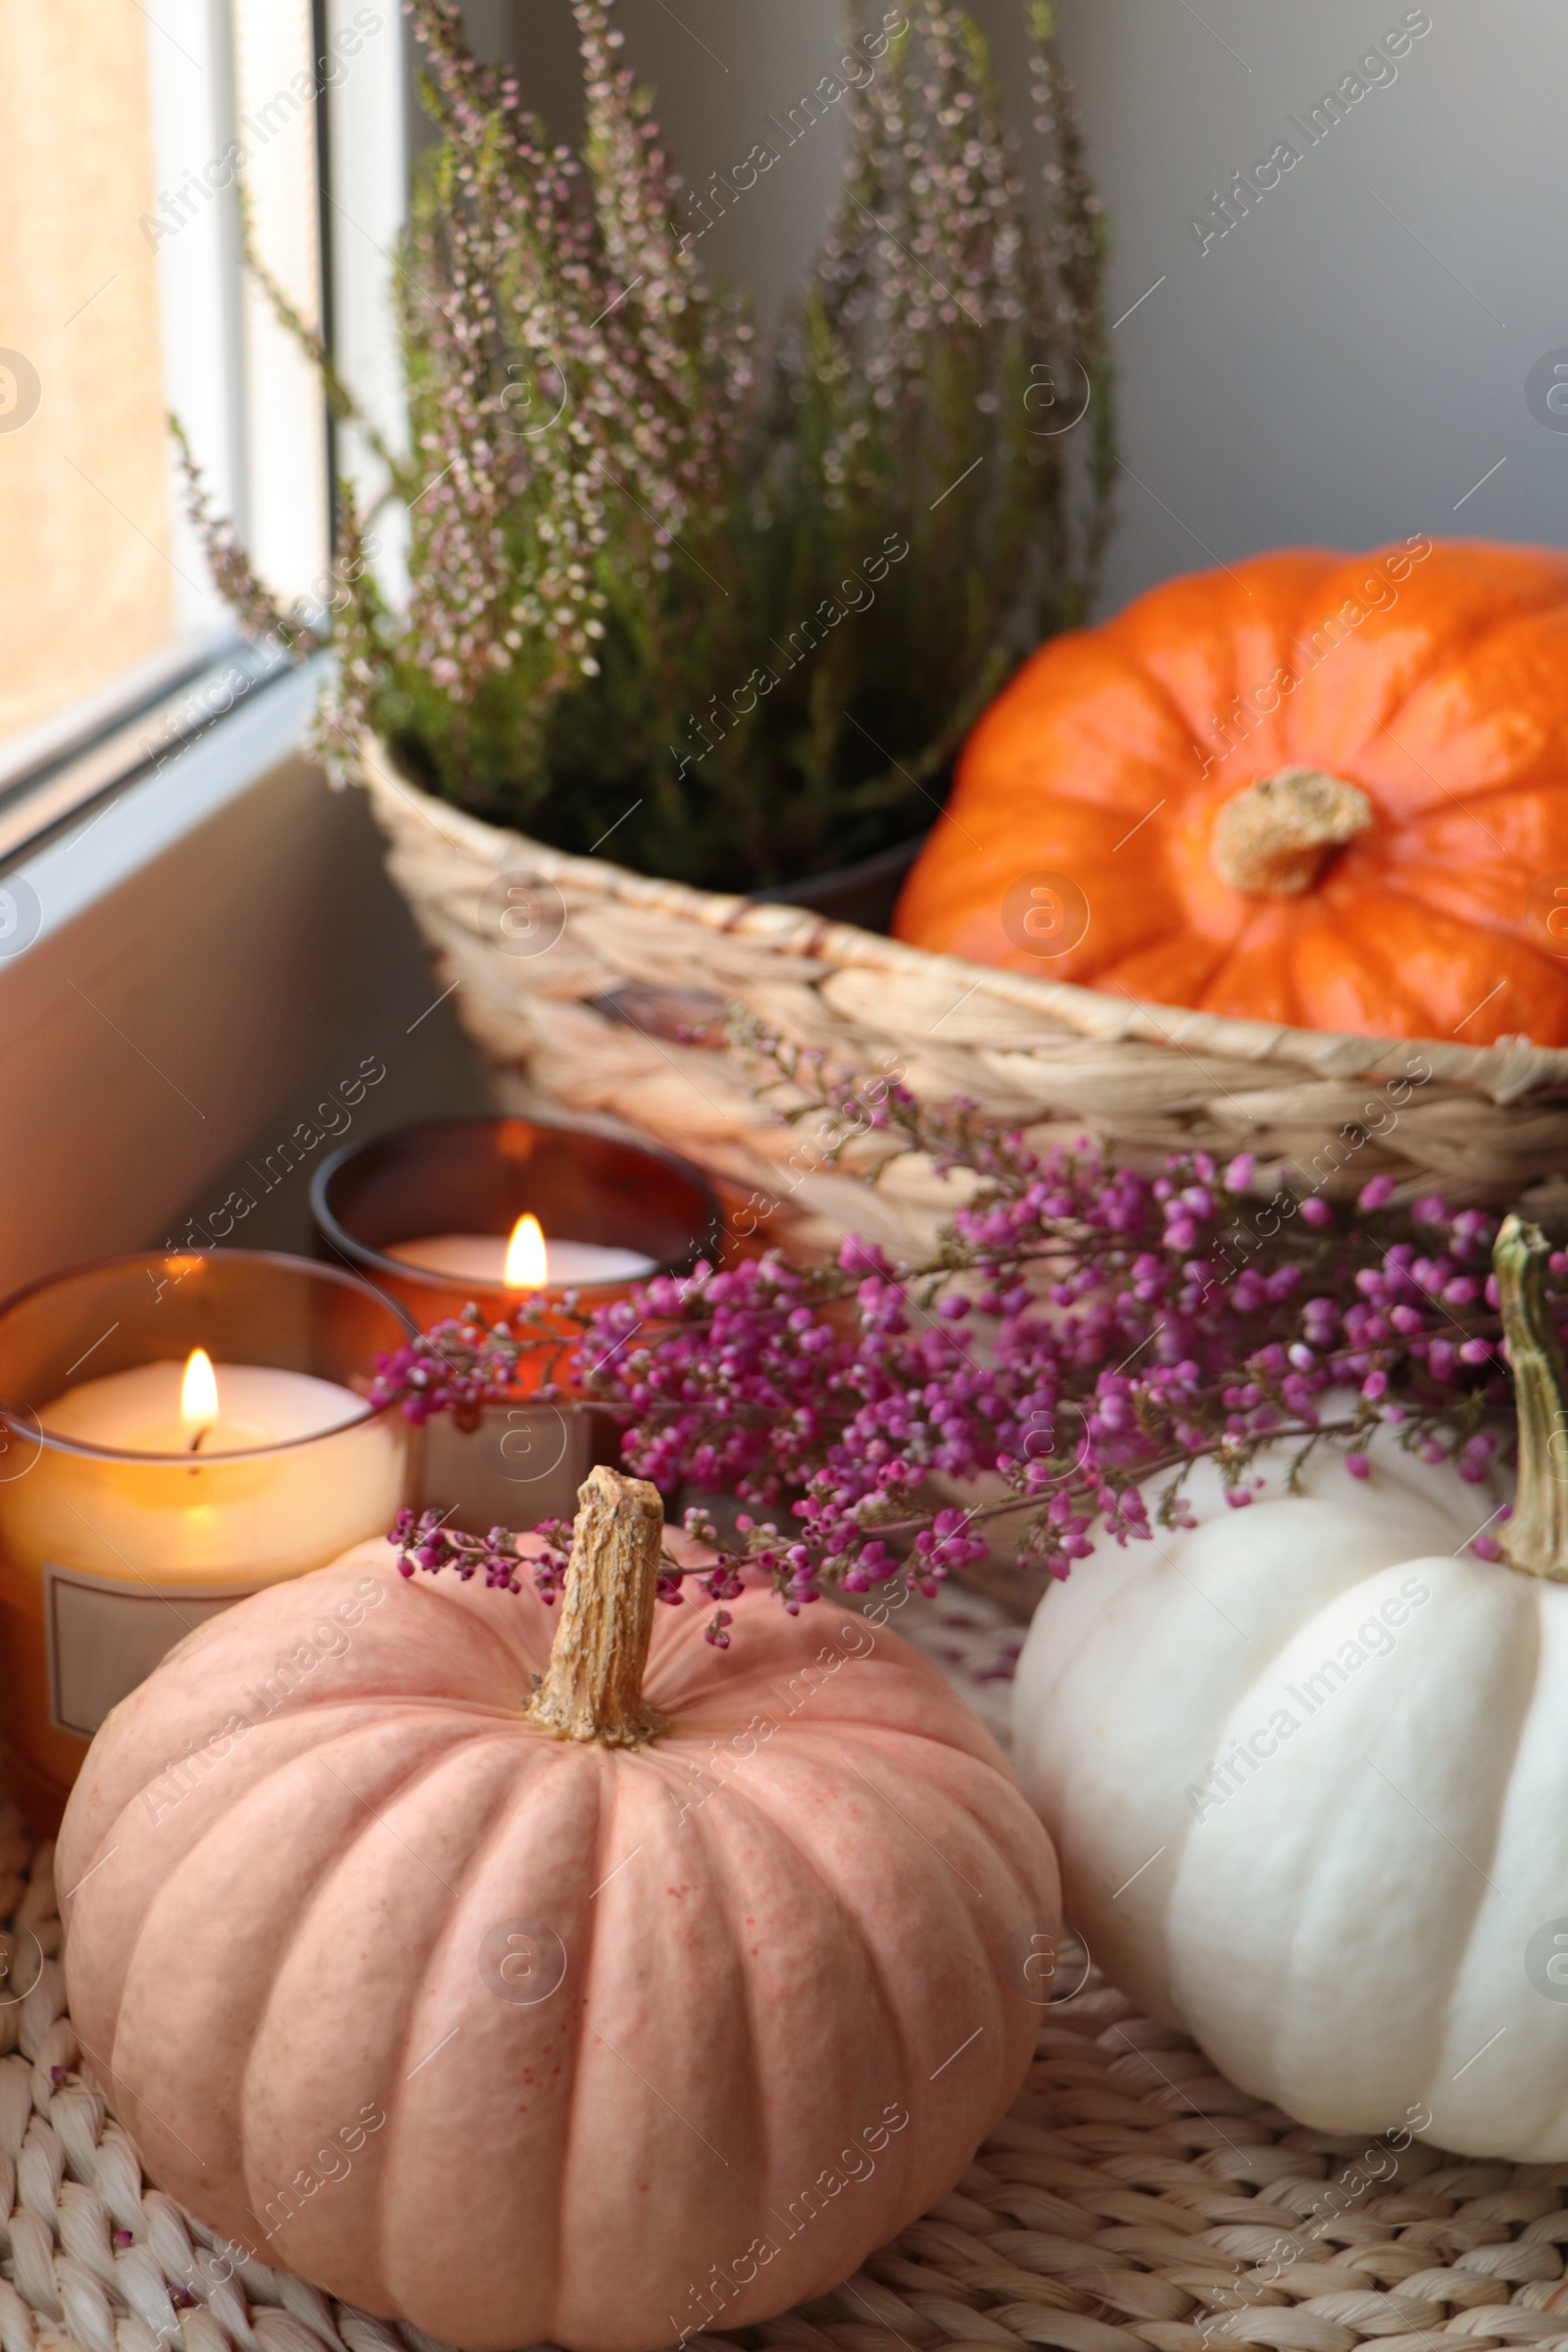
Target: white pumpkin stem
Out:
[1536,1539]
[1273,840]
[593,1686]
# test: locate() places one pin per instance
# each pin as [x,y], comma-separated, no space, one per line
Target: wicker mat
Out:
[1130,2200]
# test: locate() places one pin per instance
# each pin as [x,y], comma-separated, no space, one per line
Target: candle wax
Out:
[482,1256]
[138,1411]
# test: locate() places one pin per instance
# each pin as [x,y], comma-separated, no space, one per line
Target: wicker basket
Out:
[603,991]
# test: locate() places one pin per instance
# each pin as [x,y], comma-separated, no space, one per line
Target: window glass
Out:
[125,131]
[86,584]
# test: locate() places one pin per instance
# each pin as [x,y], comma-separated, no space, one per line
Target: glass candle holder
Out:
[123,1525]
[466,1183]
[473,1179]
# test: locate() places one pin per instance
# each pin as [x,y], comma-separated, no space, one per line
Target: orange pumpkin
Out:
[1319,788]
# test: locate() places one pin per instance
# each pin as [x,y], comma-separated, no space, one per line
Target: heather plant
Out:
[737,606]
[1081,1337]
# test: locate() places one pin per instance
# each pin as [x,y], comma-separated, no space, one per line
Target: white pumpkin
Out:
[1305,1766]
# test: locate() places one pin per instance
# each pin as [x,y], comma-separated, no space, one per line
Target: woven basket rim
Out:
[1503,1073]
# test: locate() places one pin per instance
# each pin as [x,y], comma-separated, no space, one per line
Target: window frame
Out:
[63,771]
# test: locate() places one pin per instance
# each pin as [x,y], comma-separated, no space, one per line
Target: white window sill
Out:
[179,762]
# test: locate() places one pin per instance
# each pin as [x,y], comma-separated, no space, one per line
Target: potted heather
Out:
[724,609]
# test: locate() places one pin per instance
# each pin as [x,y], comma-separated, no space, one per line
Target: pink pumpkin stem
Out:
[593,1686]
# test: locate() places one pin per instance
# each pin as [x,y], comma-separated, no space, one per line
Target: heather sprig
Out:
[259,614]
[738,605]
[464,1363]
[424,1541]
[1081,1330]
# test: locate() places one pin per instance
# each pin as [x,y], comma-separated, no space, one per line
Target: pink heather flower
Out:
[1091,1354]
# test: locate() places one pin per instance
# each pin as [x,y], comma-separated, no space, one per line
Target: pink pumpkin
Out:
[535,2009]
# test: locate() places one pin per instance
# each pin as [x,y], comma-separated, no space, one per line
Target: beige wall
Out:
[85,586]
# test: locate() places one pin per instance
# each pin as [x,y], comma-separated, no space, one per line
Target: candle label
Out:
[104,1636]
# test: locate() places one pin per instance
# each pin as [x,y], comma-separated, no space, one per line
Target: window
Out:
[121,298]
[83,463]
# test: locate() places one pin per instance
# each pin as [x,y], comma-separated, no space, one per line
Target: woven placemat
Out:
[1132,2199]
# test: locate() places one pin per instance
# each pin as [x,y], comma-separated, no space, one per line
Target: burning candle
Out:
[142,1490]
[170,1409]
[455,1213]
[527,1262]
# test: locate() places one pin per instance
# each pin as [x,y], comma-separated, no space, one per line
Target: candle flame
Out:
[197,1393]
[526,1267]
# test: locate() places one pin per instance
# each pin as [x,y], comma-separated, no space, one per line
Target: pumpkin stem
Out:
[1273,840]
[593,1686]
[1536,1538]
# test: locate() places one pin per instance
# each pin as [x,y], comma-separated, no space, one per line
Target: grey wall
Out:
[1340,367]
[1349,362]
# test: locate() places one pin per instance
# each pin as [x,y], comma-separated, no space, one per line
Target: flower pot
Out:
[864,894]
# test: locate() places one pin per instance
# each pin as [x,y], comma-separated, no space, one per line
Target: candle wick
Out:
[197,1439]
